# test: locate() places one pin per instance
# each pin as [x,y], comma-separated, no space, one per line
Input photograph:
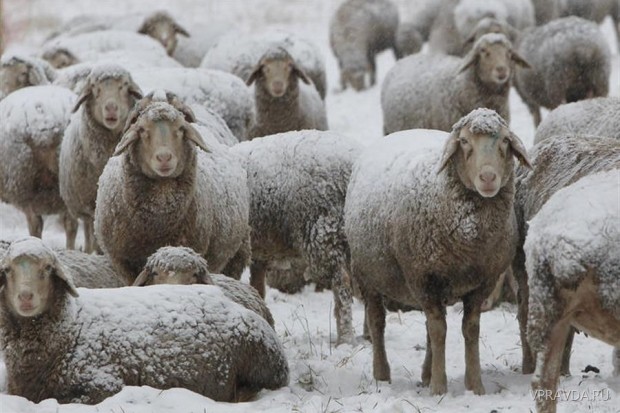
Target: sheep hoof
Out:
[438,389]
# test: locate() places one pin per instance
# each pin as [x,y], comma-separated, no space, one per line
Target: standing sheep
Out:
[434,91]
[297,183]
[90,139]
[159,189]
[17,71]
[357,32]
[89,347]
[569,61]
[283,103]
[572,254]
[427,227]
[595,10]
[32,123]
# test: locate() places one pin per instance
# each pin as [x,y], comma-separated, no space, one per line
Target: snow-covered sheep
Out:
[285,98]
[570,60]
[598,117]
[221,92]
[18,71]
[358,30]
[595,10]
[93,132]
[32,124]
[159,189]
[297,184]
[572,255]
[182,265]
[434,91]
[429,226]
[237,53]
[88,347]
[556,162]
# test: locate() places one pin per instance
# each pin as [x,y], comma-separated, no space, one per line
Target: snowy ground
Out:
[325,378]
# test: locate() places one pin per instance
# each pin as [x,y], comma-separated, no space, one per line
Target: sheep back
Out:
[89,270]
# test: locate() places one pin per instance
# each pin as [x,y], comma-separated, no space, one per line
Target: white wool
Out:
[29,246]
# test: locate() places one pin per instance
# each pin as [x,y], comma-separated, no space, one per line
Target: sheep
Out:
[572,256]
[490,25]
[237,53]
[594,10]
[221,92]
[570,61]
[358,31]
[93,132]
[283,103]
[599,116]
[434,91]
[89,344]
[546,10]
[556,162]
[18,71]
[408,39]
[297,184]
[417,218]
[422,19]
[182,265]
[158,190]
[32,122]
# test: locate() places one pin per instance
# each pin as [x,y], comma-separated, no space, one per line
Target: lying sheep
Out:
[599,117]
[221,92]
[89,347]
[434,91]
[297,184]
[18,71]
[557,162]
[90,139]
[572,255]
[32,123]
[417,218]
[159,190]
[357,32]
[181,265]
[570,60]
[237,53]
[283,103]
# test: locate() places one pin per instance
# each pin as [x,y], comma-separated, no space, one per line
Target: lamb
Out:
[570,60]
[599,116]
[358,31]
[221,92]
[89,140]
[418,240]
[89,344]
[32,122]
[181,265]
[297,184]
[557,162]
[158,189]
[435,91]
[283,103]
[18,71]
[237,53]
[572,255]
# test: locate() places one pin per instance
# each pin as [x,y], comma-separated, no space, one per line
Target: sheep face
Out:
[277,72]
[162,27]
[60,58]
[174,265]
[14,77]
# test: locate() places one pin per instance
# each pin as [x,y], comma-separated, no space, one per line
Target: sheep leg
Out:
[471,334]
[535,111]
[343,300]
[375,316]
[373,69]
[436,328]
[71,228]
[615,357]
[428,360]
[523,293]
[258,269]
[235,266]
[35,223]
[548,364]
[565,368]
[89,236]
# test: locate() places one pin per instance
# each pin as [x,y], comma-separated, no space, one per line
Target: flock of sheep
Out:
[185,175]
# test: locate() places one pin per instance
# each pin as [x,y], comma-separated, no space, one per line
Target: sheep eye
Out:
[463,141]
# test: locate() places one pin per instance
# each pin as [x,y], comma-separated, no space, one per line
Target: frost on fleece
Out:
[159,336]
[568,247]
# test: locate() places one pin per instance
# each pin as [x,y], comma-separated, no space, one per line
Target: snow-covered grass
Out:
[325,378]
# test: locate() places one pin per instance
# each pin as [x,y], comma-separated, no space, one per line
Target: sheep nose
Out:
[25,296]
[488,177]
[502,72]
[111,107]
[164,157]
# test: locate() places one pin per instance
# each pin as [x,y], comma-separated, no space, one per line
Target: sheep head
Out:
[163,28]
[110,93]
[59,57]
[490,25]
[481,146]
[174,265]
[29,274]
[17,73]
[161,139]
[493,58]
[278,70]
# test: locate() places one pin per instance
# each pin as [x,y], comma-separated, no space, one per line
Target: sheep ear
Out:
[519,60]
[142,279]
[134,90]
[301,74]
[469,60]
[449,149]
[255,73]
[519,151]
[192,134]
[86,94]
[179,29]
[60,273]
[179,105]
[126,141]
